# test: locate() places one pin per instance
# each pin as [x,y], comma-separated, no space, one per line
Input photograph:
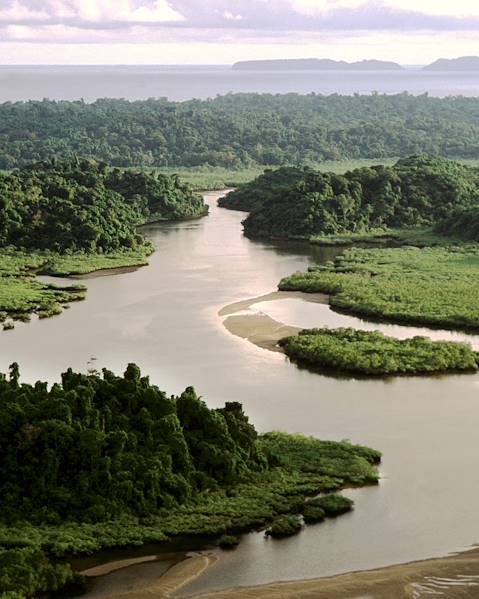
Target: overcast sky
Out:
[223,31]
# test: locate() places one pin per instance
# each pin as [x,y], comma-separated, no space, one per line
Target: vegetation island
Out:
[464,63]
[74,217]
[100,461]
[371,353]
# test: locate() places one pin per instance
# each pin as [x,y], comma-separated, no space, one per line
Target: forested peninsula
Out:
[73,217]
[417,191]
[99,461]
[239,130]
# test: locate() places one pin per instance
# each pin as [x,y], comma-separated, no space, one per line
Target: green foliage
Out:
[104,461]
[263,188]
[81,263]
[462,223]
[27,571]
[239,130]
[431,286]
[22,294]
[415,192]
[417,236]
[372,353]
[340,461]
[228,542]
[332,504]
[312,514]
[94,448]
[284,526]
[81,205]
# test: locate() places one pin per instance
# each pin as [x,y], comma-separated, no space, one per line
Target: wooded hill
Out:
[300,203]
[83,205]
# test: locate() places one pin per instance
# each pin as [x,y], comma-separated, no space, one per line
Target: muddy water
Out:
[165,318]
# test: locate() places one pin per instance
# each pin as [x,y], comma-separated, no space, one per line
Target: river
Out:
[165,318]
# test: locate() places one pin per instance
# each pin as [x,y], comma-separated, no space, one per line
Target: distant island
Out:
[315,64]
[465,63]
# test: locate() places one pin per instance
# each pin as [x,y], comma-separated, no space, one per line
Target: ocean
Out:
[181,83]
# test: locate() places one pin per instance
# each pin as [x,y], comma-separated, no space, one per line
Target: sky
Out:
[224,31]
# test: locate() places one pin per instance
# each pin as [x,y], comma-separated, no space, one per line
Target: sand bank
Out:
[165,584]
[242,305]
[110,567]
[453,577]
[261,329]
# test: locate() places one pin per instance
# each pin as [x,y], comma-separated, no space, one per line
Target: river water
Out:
[165,318]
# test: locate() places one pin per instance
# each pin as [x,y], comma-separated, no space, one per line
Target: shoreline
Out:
[458,572]
[135,265]
[103,272]
[110,567]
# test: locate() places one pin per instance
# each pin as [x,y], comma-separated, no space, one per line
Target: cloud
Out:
[323,15]
[229,16]
[17,11]
[458,8]
[80,12]
[133,21]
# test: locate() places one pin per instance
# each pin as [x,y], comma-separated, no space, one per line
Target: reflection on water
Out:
[165,318]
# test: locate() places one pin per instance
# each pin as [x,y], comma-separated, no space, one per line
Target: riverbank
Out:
[453,576]
[81,264]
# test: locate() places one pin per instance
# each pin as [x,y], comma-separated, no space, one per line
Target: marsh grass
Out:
[434,286]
